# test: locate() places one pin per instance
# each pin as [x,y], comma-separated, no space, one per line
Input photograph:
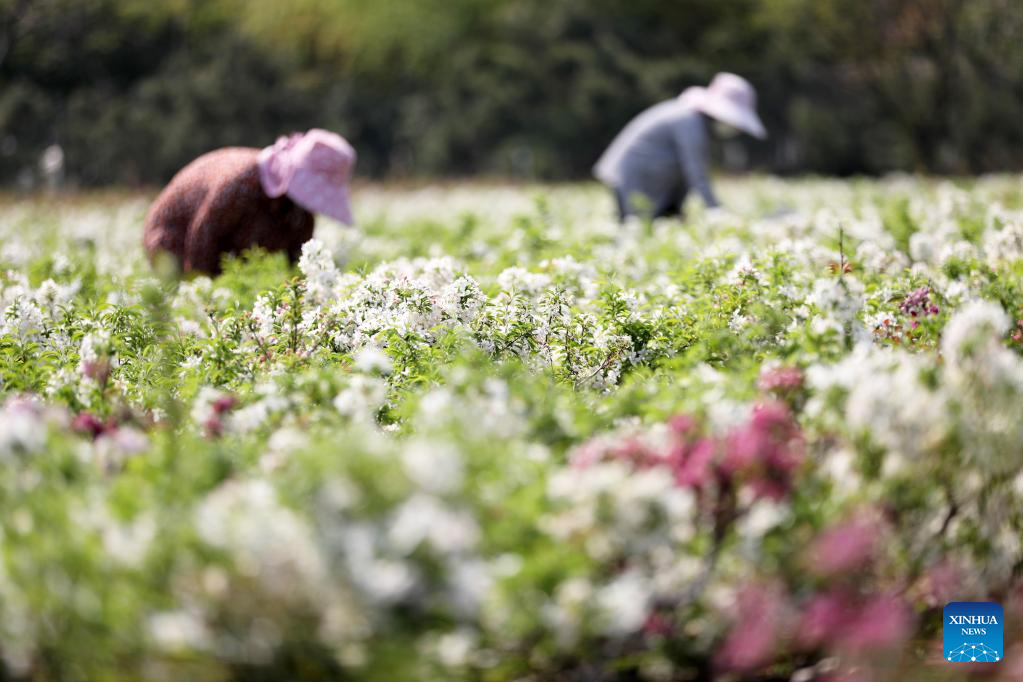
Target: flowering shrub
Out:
[516,441]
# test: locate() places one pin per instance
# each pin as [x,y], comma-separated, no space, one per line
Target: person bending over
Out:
[662,153]
[236,198]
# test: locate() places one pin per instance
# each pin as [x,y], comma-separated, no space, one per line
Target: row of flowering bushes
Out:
[514,441]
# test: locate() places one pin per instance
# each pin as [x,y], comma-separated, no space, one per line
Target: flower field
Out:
[492,435]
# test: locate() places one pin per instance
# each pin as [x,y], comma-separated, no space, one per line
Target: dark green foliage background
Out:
[134,89]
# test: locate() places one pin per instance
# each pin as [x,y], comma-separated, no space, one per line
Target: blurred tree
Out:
[907,84]
[133,89]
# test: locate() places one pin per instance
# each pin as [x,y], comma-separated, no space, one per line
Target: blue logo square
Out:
[972,632]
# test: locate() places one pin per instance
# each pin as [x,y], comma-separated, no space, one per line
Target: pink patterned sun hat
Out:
[313,169]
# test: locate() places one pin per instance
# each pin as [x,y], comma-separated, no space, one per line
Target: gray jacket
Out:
[661,154]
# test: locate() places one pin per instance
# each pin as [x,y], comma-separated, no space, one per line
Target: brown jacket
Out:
[215,206]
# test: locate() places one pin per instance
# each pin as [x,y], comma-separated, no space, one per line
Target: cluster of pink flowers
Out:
[763,452]
[761,614]
[113,438]
[844,547]
[839,617]
[98,370]
[918,304]
[780,380]
[842,617]
[852,623]
[214,425]
[86,423]
[1017,332]
[691,457]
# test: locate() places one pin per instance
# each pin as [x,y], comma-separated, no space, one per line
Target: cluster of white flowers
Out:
[275,549]
[362,398]
[911,410]
[22,427]
[468,451]
[1003,238]
[987,381]
[320,272]
[24,321]
[267,541]
[410,298]
[269,402]
[95,355]
[959,424]
[617,514]
[895,407]
[839,301]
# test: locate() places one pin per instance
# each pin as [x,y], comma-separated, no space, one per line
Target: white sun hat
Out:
[729,99]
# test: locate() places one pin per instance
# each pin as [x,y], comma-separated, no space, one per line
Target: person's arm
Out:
[691,146]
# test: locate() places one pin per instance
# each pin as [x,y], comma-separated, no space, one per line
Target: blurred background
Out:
[125,92]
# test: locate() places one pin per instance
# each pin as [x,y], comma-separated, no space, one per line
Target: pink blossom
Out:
[1013,665]
[918,303]
[588,454]
[224,403]
[760,614]
[637,453]
[692,462]
[1014,600]
[214,426]
[25,405]
[881,623]
[766,450]
[822,618]
[657,625]
[941,583]
[691,458]
[842,548]
[99,370]
[838,619]
[89,424]
[780,379]
[681,425]
[129,441]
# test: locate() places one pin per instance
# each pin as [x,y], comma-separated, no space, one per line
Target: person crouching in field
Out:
[237,198]
[662,153]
